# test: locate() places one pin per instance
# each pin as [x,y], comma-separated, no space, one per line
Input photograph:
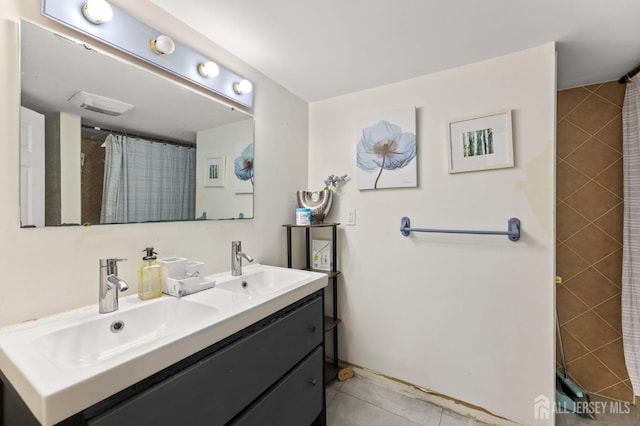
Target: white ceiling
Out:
[321,49]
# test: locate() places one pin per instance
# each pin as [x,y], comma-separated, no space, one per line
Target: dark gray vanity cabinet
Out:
[293,400]
[268,374]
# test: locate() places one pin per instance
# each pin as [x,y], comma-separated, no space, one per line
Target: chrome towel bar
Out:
[513,229]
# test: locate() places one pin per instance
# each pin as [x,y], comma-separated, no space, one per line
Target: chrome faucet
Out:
[236,258]
[110,284]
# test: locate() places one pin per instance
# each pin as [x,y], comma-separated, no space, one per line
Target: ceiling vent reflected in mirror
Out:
[101,104]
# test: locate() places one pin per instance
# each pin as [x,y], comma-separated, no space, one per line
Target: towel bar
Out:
[513,229]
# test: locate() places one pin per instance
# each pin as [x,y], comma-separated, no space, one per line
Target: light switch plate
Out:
[351,217]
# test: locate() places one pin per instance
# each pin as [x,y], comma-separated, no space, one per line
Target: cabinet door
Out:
[216,389]
[295,401]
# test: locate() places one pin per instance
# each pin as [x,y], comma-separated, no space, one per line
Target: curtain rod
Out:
[133,135]
[625,78]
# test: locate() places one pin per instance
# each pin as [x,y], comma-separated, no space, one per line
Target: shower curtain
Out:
[631,240]
[147,181]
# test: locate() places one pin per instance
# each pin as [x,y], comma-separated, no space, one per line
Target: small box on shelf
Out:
[321,255]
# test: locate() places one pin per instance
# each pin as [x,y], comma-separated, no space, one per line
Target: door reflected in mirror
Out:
[106,141]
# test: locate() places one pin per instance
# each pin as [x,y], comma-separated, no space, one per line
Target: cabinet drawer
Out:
[295,401]
[216,389]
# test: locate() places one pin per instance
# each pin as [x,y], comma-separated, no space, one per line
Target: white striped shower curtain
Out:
[146,181]
[631,239]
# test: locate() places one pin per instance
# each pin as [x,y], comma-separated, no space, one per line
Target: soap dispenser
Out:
[149,276]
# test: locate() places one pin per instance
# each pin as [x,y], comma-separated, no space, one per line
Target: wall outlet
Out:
[351,217]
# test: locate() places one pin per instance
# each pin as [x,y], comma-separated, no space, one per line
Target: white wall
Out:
[468,316]
[223,141]
[53,269]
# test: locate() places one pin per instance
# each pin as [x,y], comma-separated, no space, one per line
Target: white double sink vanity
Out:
[232,354]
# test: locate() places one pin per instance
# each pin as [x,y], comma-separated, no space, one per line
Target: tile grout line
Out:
[590,179]
[590,137]
[590,93]
[601,129]
[599,360]
[605,99]
[578,188]
[619,287]
[591,222]
[592,352]
[607,278]
[589,265]
[590,309]
[576,105]
[612,386]
[620,380]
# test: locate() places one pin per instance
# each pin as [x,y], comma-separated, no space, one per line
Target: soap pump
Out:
[149,276]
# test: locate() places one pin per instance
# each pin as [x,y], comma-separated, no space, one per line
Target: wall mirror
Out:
[105,141]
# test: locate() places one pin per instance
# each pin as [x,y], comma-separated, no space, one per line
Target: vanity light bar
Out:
[134,37]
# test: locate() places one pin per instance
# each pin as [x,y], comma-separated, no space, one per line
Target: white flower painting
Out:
[386,150]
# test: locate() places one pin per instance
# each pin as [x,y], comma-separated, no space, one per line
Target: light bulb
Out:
[242,86]
[162,45]
[97,11]
[209,69]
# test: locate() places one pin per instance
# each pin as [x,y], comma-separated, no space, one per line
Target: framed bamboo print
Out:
[214,172]
[482,142]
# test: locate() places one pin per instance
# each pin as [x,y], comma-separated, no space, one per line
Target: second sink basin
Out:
[105,336]
[263,282]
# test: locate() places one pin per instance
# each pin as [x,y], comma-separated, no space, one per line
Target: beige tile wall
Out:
[589,236]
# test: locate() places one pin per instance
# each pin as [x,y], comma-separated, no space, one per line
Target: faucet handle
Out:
[111,264]
[111,260]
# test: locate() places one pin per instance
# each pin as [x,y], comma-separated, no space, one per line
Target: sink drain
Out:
[245,284]
[117,326]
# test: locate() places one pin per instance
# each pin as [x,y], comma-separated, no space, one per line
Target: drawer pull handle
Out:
[313,382]
[312,328]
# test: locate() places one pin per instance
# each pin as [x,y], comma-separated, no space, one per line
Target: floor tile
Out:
[332,390]
[420,412]
[330,394]
[346,410]
[335,385]
[449,418]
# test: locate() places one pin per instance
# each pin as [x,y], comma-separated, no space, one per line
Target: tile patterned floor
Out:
[604,417]
[359,402]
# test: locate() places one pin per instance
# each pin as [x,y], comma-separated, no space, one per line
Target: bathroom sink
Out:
[62,364]
[105,336]
[263,282]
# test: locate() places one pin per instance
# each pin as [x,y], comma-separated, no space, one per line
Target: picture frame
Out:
[243,167]
[214,172]
[386,150]
[481,142]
